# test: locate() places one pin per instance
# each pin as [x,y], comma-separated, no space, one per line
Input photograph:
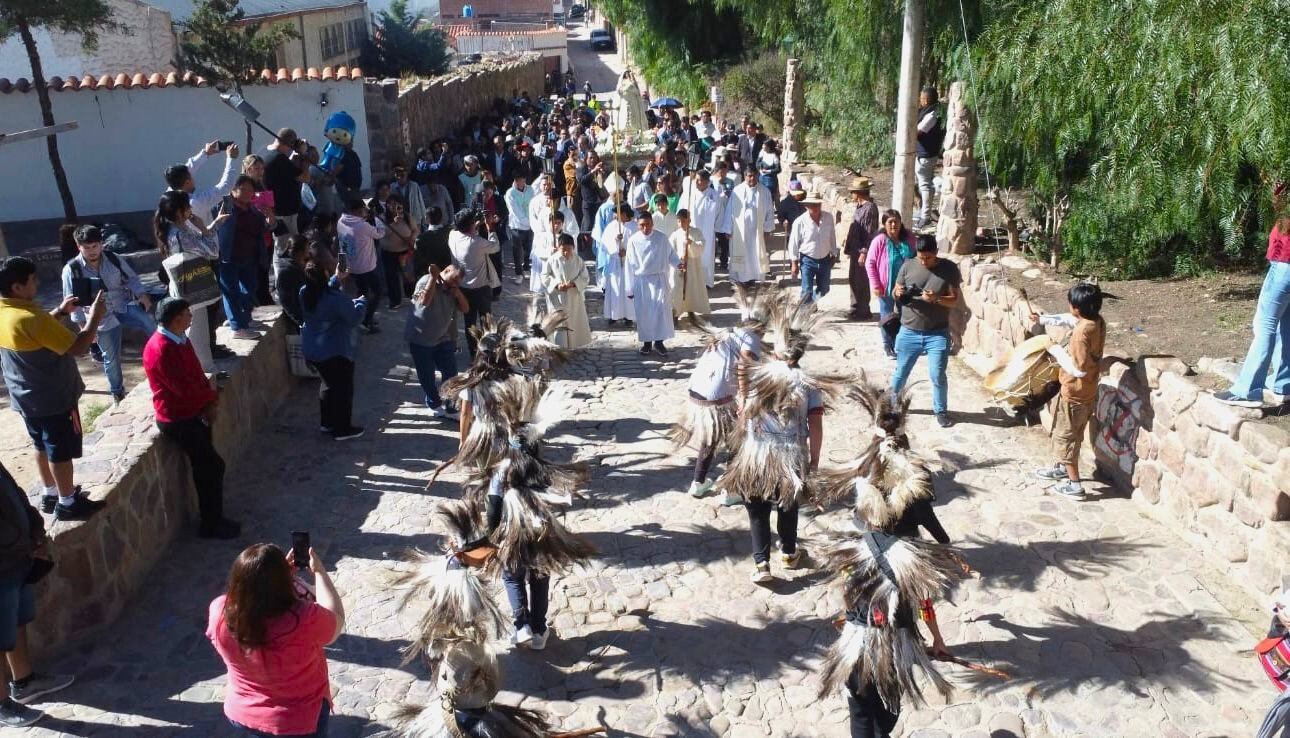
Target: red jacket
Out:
[180,390]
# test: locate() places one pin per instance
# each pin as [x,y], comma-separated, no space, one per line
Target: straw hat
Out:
[860,183]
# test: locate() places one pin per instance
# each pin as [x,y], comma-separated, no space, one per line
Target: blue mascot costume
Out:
[339,130]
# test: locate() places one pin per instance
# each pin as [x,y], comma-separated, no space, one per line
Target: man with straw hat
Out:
[864,226]
[813,249]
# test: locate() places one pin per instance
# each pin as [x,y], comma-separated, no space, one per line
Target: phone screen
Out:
[342,261]
[300,548]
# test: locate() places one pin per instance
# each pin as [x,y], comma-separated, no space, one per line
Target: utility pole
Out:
[911,58]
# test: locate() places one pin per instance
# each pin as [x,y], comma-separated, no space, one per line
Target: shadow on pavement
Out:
[1018,566]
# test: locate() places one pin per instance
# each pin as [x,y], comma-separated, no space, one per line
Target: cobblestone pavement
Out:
[1108,625]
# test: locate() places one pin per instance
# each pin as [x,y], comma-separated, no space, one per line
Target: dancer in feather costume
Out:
[718,386]
[885,571]
[779,443]
[468,680]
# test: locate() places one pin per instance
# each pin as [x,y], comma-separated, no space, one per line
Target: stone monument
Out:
[956,230]
[794,113]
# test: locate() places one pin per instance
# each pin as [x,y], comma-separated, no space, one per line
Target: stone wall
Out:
[401,120]
[1214,473]
[145,480]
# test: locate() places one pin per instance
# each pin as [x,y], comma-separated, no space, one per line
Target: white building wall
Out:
[127,137]
[148,48]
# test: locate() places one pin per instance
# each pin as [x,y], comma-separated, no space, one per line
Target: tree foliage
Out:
[84,18]
[405,44]
[756,87]
[1160,122]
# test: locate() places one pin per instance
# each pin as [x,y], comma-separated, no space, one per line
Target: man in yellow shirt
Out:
[37,358]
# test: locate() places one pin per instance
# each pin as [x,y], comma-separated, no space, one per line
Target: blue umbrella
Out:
[666,102]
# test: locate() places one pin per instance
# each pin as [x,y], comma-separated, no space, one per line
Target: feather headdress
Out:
[883,580]
[459,605]
[468,680]
[886,477]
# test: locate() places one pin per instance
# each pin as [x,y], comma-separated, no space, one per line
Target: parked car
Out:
[602,40]
[577,11]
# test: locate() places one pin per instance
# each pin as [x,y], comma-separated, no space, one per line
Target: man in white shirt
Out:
[705,127]
[650,260]
[470,253]
[180,177]
[518,198]
[813,249]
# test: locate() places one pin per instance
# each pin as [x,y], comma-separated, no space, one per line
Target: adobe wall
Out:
[101,562]
[1215,474]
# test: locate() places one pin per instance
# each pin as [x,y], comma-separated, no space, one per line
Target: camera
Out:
[223,145]
[912,292]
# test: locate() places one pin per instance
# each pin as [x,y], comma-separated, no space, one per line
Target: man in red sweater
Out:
[185,404]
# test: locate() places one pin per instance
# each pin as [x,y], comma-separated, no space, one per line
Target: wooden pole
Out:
[911,56]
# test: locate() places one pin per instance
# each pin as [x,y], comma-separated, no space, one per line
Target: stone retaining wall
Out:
[1214,473]
[145,480]
[401,119]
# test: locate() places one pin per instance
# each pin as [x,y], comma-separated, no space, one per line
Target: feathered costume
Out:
[772,455]
[710,422]
[468,681]
[885,572]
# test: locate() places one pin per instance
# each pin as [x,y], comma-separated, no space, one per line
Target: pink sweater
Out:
[878,265]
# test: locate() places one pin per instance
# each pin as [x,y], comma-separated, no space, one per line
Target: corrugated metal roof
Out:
[180,10]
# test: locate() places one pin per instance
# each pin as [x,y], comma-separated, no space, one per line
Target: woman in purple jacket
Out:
[887,252]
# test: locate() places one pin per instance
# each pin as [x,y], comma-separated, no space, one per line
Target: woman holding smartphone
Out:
[270,630]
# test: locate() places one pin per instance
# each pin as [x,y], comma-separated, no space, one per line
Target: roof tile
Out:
[144,80]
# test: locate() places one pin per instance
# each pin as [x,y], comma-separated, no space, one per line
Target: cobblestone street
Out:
[1106,623]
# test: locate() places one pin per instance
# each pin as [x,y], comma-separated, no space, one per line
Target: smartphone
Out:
[223,145]
[300,548]
[342,261]
[263,199]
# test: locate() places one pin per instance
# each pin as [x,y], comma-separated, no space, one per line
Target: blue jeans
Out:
[815,277]
[1271,338]
[528,592]
[911,344]
[110,343]
[238,283]
[427,359]
[886,306]
[320,732]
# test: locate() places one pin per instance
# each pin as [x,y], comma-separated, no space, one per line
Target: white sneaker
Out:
[762,575]
[523,637]
[700,489]
[538,642]
[1068,489]
[443,411]
[793,560]
[732,500]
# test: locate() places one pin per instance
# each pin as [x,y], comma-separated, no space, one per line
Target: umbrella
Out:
[666,102]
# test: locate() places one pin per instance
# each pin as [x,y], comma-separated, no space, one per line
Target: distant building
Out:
[536,11]
[331,32]
[150,45]
[486,37]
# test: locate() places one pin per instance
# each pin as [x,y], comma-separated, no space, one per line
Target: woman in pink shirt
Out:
[270,631]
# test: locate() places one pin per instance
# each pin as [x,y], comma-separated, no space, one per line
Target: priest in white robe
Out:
[564,277]
[650,261]
[752,216]
[540,215]
[611,250]
[702,200]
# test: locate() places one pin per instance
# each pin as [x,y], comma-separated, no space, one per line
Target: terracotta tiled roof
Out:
[174,79]
[453,31]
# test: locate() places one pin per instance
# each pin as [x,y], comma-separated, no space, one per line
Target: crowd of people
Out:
[536,181]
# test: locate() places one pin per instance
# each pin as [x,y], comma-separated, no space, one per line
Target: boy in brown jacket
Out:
[1078,399]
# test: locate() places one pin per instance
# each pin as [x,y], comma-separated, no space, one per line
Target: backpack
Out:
[1274,657]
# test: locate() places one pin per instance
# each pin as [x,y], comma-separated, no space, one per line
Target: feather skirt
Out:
[889,658]
[704,425]
[494,721]
[768,467]
[530,535]
[458,605]
[881,483]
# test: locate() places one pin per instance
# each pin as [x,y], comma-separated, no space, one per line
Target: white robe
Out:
[557,270]
[617,279]
[650,260]
[704,206]
[689,288]
[540,222]
[666,223]
[752,216]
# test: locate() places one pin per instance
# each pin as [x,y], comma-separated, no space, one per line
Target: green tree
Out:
[86,18]
[405,44]
[219,45]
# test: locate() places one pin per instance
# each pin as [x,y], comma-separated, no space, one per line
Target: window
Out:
[356,33]
[332,40]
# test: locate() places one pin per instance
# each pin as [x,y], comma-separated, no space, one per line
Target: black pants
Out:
[858,279]
[480,300]
[723,251]
[521,250]
[368,285]
[704,462]
[759,525]
[394,286]
[870,718]
[529,593]
[335,393]
[194,437]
